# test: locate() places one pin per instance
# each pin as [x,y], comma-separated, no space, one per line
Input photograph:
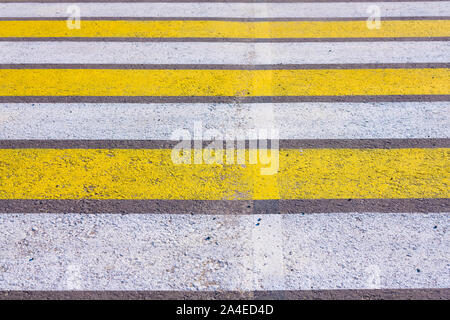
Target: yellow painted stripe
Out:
[99,82]
[226,29]
[150,174]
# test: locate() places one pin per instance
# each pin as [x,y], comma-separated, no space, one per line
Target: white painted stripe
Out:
[223,53]
[232,10]
[158,121]
[203,252]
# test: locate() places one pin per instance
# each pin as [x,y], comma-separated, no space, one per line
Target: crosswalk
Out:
[348,198]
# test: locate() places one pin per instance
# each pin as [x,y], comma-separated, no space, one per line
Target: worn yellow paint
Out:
[150,174]
[226,29]
[107,82]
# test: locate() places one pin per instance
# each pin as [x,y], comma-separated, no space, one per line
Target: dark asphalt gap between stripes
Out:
[344,294]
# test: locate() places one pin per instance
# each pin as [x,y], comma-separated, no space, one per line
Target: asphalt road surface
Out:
[348,198]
